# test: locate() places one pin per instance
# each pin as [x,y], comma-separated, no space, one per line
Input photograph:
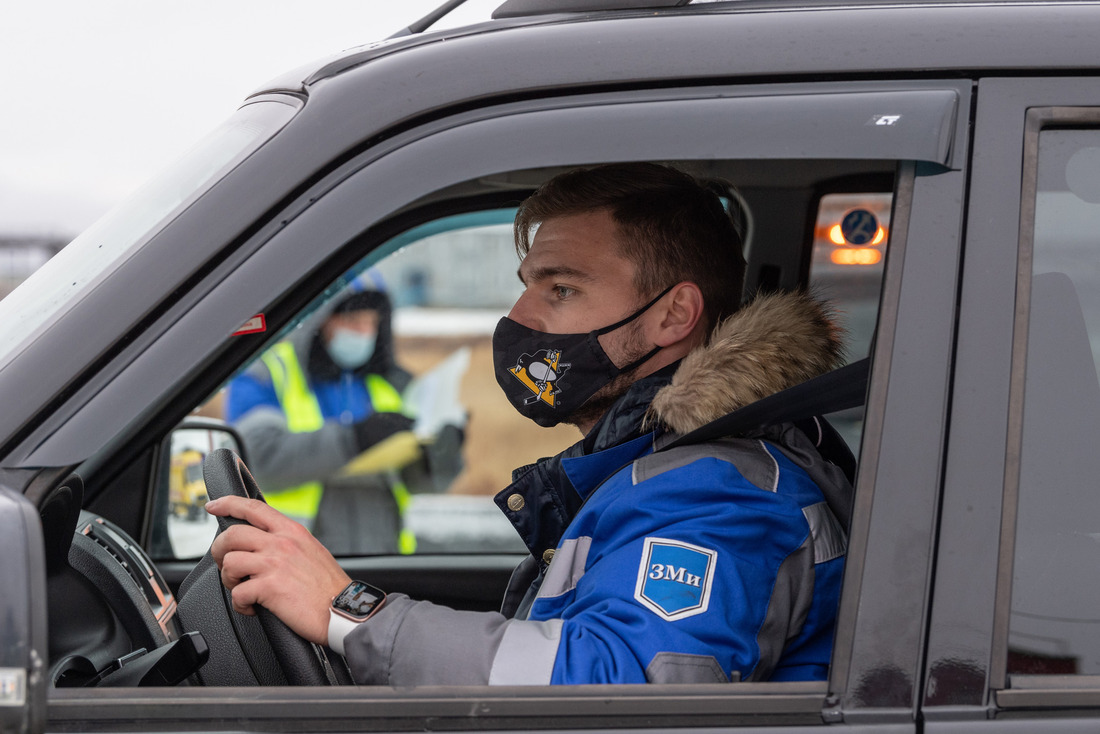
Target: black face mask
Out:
[548,376]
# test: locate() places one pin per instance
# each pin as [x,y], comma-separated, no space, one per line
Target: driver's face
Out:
[578,282]
[575,278]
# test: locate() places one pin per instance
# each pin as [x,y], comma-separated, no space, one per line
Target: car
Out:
[933,168]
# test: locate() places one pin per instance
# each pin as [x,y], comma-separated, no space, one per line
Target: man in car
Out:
[703,563]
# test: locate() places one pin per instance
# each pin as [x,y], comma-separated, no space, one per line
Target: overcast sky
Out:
[102,94]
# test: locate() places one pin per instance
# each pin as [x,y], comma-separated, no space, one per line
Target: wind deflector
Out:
[824,122]
[911,124]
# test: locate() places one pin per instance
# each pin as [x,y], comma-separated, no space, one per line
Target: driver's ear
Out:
[679,315]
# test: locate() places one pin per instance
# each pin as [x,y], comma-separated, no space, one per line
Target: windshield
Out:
[108,243]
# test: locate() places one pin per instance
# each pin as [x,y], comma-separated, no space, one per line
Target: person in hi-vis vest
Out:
[317,401]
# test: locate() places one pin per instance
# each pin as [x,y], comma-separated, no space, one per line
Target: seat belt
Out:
[828,393]
[801,405]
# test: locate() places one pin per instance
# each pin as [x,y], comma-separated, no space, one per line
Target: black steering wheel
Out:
[245,650]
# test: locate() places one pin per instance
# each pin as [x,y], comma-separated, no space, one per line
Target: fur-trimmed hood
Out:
[774,342]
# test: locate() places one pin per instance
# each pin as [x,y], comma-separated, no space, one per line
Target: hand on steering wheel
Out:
[269,560]
[273,568]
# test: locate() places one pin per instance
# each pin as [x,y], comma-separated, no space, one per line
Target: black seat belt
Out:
[801,405]
[828,393]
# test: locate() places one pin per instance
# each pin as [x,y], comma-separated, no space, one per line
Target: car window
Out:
[427,488]
[851,235]
[1055,625]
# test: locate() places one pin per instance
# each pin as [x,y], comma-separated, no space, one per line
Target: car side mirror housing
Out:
[23,611]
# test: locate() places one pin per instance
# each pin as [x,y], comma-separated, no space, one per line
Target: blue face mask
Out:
[350,349]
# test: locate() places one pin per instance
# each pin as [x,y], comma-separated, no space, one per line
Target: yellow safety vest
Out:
[303,415]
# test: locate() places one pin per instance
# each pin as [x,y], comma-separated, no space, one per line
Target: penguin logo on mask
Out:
[539,373]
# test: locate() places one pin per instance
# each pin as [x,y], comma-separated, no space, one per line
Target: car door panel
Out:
[968,637]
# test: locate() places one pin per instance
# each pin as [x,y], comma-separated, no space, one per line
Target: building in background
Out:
[21,256]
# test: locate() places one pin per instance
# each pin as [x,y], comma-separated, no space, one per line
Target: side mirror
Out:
[23,611]
[180,526]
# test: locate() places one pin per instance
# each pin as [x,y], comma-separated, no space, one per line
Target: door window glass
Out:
[451,283]
[849,256]
[850,239]
[1055,614]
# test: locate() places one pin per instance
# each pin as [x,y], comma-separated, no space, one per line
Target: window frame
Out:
[1081,689]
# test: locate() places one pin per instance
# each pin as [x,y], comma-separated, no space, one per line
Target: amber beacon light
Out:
[857,237]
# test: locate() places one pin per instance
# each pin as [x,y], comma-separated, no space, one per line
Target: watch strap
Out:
[339,627]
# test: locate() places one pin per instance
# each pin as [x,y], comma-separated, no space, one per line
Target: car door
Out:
[822,134]
[1013,628]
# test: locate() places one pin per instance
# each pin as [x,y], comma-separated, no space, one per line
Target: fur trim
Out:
[774,342]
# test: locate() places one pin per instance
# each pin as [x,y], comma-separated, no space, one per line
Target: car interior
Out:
[133,597]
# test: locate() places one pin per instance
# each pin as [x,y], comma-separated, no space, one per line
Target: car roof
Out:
[742,39]
[390,85]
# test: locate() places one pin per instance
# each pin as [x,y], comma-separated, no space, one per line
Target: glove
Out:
[379,426]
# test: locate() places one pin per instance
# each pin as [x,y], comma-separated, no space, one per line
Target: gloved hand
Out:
[379,426]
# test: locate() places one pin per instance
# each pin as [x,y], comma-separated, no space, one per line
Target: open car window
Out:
[427,489]
[430,489]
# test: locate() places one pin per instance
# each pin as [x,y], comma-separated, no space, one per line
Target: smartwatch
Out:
[350,608]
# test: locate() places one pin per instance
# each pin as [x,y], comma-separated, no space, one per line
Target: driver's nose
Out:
[523,312]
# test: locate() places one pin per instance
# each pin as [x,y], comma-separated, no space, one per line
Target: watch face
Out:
[358,599]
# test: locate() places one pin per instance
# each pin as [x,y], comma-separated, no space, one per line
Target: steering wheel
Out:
[246,650]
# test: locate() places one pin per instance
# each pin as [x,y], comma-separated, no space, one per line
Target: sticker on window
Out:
[254,325]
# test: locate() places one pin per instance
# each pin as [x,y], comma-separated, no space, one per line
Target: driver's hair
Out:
[673,227]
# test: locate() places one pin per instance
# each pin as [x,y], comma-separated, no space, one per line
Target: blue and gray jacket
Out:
[712,562]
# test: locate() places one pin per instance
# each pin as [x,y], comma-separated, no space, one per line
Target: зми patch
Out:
[674,578]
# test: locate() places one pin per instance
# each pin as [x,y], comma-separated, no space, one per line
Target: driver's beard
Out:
[593,409]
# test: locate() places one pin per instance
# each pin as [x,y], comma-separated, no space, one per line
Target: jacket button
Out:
[548,555]
[515,503]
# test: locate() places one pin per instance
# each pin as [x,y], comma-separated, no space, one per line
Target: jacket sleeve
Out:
[410,643]
[278,458]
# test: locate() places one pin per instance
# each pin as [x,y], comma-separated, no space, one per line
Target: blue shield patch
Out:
[674,578]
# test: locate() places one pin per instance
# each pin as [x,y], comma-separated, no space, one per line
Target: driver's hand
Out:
[275,562]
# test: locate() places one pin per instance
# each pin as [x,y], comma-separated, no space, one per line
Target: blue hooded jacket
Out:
[703,563]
